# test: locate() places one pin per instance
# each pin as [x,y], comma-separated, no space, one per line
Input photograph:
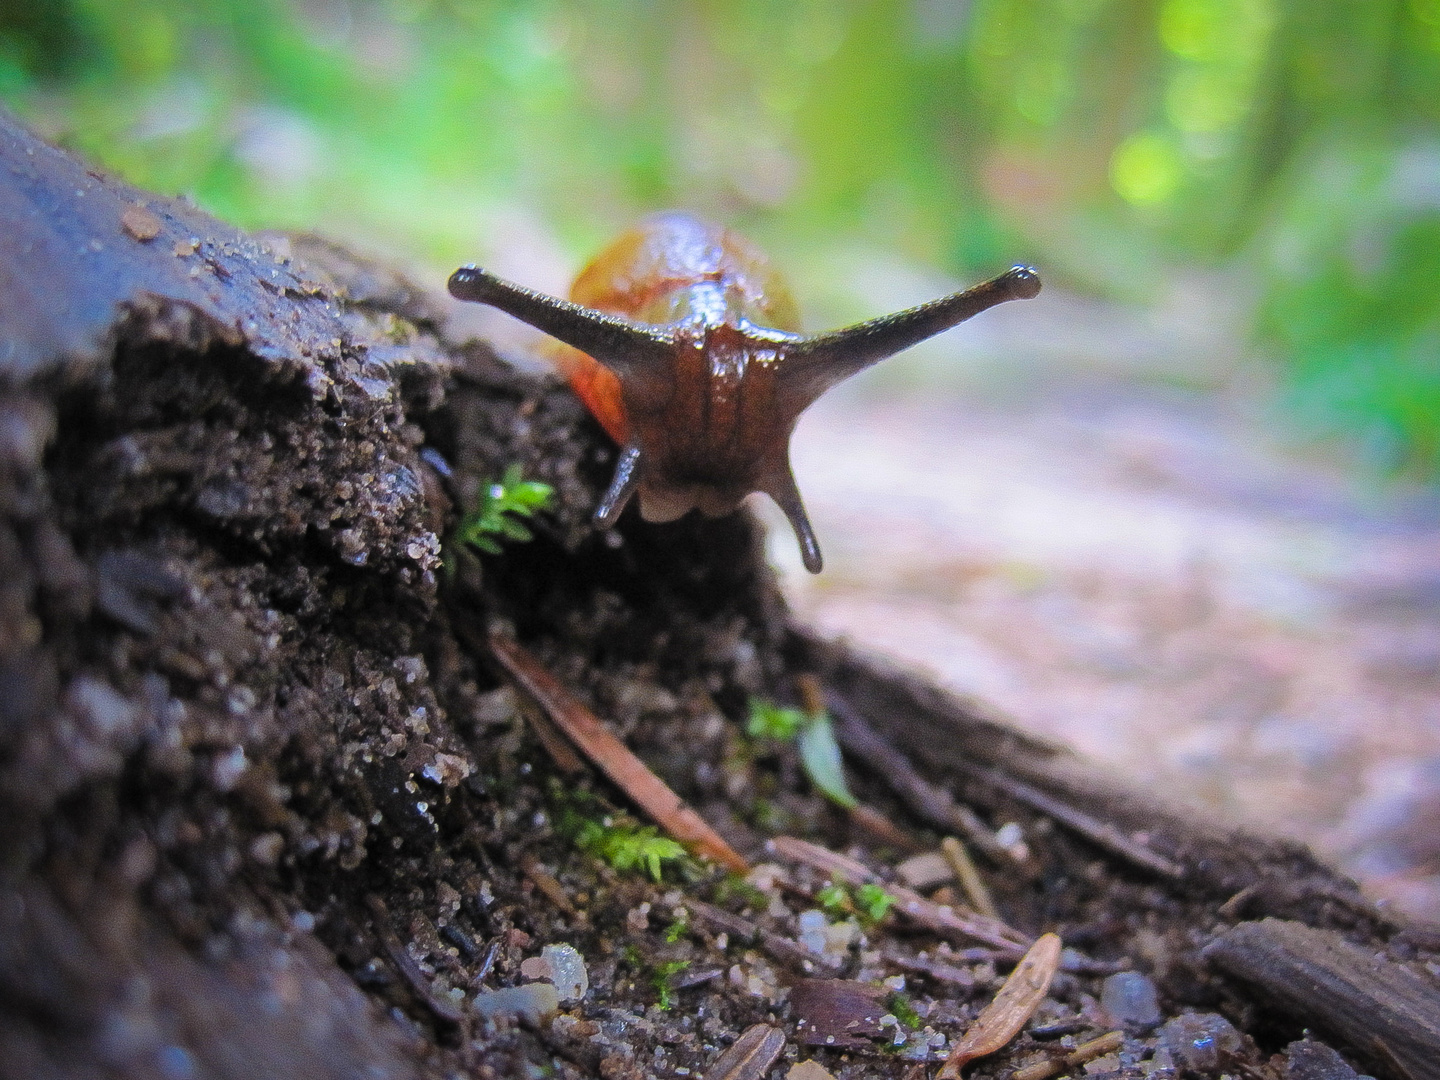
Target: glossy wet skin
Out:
[683,343]
[713,427]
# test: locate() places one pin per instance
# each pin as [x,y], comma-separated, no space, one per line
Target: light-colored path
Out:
[1146,574]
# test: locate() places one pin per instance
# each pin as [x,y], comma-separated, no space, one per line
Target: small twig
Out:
[486,964]
[882,830]
[1235,906]
[871,750]
[941,918]
[443,1008]
[820,858]
[1086,1051]
[975,891]
[1092,828]
[461,940]
[547,883]
[936,969]
[613,758]
[1013,1006]
[736,926]
[782,949]
[944,919]
[812,694]
[561,752]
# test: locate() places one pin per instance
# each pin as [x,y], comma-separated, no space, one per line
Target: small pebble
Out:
[532,1002]
[813,926]
[925,871]
[1129,997]
[808,1070]
[1196,1040]
[568,972]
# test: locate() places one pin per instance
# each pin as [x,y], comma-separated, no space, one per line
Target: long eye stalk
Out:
[620,344]
[819,361]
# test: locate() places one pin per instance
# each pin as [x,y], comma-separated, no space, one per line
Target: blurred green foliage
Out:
[1295,143]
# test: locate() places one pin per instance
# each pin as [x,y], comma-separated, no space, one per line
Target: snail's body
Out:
[712,429]
[684,344]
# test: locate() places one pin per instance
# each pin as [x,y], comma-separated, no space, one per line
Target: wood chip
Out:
[750,1056]
[140,223]
[1013,1006]
[613,758]
[841,1013]
[1326,982]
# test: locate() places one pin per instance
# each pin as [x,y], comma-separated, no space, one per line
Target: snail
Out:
[684,344]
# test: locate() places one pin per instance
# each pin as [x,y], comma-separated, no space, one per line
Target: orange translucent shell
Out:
[597,386]
[645,275]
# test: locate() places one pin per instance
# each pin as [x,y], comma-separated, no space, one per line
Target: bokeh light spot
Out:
[1146,169]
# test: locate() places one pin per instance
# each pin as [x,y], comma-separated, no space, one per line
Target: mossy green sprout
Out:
[873,902]
[775,722]
[735,887]
[659,973]
[870,903]
[626,846]
[814,736]
[664,972]
[678,926]
[903,1011]
[834,900]
[502,505]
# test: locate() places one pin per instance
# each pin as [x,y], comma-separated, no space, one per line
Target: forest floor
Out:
[1132,557]
[279,795]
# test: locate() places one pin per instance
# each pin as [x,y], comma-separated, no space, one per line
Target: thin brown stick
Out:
[873,751]
[1092,828]
[442,1007]
[547,883]
[941,918]
[612,757]
[882,830]
[1086,1051]
[970,881]
[782,949]
[561,752]
[935,969]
